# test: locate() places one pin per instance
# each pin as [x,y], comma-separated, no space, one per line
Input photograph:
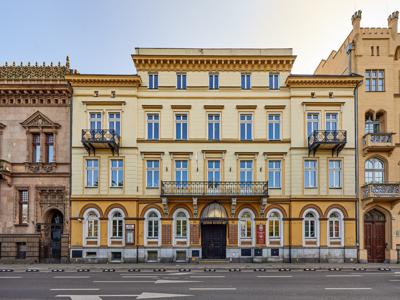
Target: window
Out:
[246,175]
[213,171]
[92,173]
[153,126]
[246,122]
[374,171]
[274,174]
[374,80]
[335,225]
[181,81]
[246,81]
[36,148]
[181,171]
[310,173]
[50,148]
[310,225]
[181,225]
[312,123]
[371,125]
[335,174]
[213,81]
[153,81]
[274,81]
[21,250]
[117,173]
[152,225]
[274,127]
[117,225]
[214,127]
[114,122]
[274,225]
[181,127]
[246,225]
[95,120]
[92,225]
[23,206]
[331,120]
[153,173]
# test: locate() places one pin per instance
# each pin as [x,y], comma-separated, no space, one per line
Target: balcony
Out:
[334,140]
[208,188]
[378,142]
[381,191]
[93,139]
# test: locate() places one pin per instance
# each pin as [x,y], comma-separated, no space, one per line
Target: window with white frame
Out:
[335,225]
[310,224]
[312,123]
[152,173]
[153,225]
[374,171]
[331,121]
[153,81]
[181,81]
[245,81]
[213,81]
[153,126]
[273,81]
[275,174]
[246,224]
[374,80]
[181,172]
[335,173]
[246,171]
[181,126]
[213,173]
[181,225]
[274,127]
[91,224]
[117,224]
[310,173]
[274,225]
[92,173]
[117,173]
[95,120]
[214,123]
[114,122]
[246,127]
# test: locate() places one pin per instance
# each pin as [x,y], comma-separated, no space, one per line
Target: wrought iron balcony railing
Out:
[378,142]
[211,188]
[327,139]
[379,191]
[93,139]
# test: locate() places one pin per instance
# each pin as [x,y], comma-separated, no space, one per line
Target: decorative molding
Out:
[40,167]
[274,106]
[109,102]
[195,208]
[246,106]
[309,103]
[39,120]
[164,201]
[329,81]
[103,80]
[213,106]
[151,106]
[181,106]
[233,207]
[263,204]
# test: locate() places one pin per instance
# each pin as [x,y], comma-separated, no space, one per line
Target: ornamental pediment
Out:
[39,120]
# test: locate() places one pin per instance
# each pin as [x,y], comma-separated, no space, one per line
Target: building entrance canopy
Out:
[214,213]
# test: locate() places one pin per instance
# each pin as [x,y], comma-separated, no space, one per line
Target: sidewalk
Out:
[124,267]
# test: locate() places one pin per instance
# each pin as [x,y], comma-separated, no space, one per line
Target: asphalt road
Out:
[201,285]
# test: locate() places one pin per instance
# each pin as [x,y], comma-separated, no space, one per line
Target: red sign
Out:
[260,234]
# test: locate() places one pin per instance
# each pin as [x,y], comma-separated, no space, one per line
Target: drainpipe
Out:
[70,173]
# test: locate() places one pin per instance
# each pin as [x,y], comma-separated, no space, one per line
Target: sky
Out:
[100,35]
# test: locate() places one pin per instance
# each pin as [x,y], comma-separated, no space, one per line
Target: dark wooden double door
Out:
[213,241]
[374,236]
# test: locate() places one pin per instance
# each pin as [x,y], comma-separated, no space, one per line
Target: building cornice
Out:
[103,80]
[330,81]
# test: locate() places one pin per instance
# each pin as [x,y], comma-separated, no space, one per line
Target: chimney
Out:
[356,20]
[393,21]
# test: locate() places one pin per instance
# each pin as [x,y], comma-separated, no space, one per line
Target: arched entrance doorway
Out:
[52,236]
[213,231]
[374,235]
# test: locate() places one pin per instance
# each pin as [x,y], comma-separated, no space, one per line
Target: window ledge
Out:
[21,225]
[311,188]
[335,188]
[116,187]
[274,188]
[91,187]
[152,188]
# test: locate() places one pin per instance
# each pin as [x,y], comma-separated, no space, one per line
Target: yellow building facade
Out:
[375,53]
[213,154]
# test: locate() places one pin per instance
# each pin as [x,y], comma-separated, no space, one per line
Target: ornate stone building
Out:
[375,54]
[34,162]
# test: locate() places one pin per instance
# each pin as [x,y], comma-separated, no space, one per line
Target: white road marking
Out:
[139,276]
[143,295]
[354,275]
[10,277]
[75,289]
[70,277]
[213,289]
[372,273]
[121,281]
[348,288]
[275,276]
[394,280]
[180,274]
[174,281]
[207,276]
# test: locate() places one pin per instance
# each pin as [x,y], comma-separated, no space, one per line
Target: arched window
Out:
[311,228]
[374,171]
[152,227]
[91,227]
[181,225]
[116,228]
[274,225]
[335,227]
[246,226]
